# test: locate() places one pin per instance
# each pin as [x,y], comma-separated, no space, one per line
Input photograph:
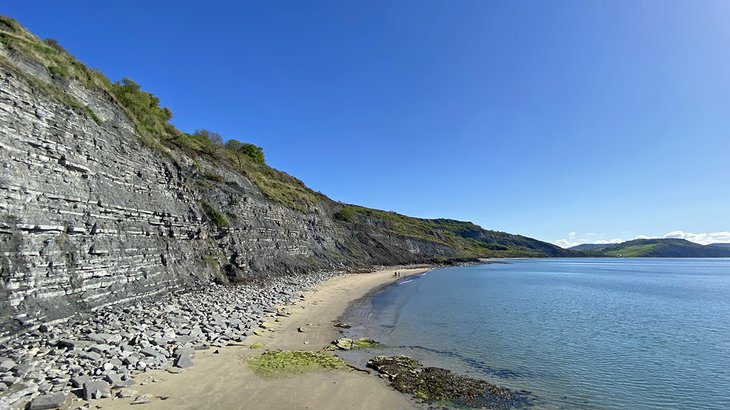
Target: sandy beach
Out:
[224,381]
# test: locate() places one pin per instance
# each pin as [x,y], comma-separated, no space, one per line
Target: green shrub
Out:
[215,216]
[93,115]
[144,106]
[57,71]
[54,45]
[347,214]
[253,152]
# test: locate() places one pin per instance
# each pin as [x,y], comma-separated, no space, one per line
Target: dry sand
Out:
[224,381]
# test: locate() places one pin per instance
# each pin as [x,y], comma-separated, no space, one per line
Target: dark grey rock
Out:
[96,389]
[47,401]
[7,365]
[184,361]
[79,381]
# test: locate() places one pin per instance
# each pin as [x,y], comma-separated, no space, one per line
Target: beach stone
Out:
[47,401]
[150,352]
[257,345]
[92,356]
[184,361]
[73,344]
[300,329]
[126,393]
[343,343]
[116,380]
[6,365]
[79,381]
[142,399]
[182,351]
[96,389]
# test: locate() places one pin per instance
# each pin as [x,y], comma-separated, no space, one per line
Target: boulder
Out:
[79,381]
[47,401]
[184,361]
[97,389]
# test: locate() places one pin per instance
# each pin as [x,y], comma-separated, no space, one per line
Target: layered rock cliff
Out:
[92,212]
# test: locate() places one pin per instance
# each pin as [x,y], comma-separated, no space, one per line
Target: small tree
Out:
[211,136]
[253,152]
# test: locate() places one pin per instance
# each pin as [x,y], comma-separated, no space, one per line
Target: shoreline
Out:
[221,379]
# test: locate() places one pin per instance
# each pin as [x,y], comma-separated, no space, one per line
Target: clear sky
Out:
[568,121]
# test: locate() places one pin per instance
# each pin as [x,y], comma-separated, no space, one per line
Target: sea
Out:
[598,333]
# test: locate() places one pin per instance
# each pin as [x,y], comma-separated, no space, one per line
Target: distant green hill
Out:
[657,248]
[587,247]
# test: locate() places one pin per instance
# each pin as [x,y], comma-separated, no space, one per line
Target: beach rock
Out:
[79,381]
[116,380]
[257,345]
[184,361]
[433,384]
[300,329]
[105,347]
[126,393]
[47,401]
[97,389]
[142,399]
[343,343]
[6,365]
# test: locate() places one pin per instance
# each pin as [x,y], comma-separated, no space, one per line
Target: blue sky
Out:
[567,121]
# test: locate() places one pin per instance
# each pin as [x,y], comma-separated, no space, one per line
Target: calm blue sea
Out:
[577,333]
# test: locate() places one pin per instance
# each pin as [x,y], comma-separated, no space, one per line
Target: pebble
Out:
[142,399]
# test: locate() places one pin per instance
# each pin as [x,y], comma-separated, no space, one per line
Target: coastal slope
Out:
[656,248]
[103,200]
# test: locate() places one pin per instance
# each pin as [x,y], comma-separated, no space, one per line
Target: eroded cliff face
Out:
[90,216]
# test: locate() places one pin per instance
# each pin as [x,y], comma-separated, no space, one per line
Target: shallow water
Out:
[588,333]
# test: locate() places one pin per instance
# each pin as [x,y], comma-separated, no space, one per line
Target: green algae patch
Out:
[275,363]
[365,343]
[345,343]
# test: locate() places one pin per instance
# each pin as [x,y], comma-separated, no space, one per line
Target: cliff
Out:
[103,201]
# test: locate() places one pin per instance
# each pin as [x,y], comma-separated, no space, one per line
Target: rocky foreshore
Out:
[437,385]
[90,356]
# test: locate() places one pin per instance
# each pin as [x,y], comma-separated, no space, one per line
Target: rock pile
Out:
[92,355]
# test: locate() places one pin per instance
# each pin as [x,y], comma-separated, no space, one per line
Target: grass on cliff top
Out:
[274,363]
[464,237]
[151,120]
